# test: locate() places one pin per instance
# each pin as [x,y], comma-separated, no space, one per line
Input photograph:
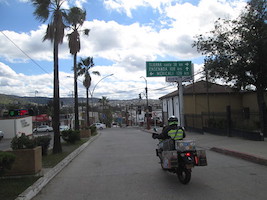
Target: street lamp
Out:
[92,93]
[147,115]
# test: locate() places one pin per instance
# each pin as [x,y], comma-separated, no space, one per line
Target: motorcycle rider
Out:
[172,131]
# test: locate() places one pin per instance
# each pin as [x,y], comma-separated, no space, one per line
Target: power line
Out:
[25,53]
[29,57]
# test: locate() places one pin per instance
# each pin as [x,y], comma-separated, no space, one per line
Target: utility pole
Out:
[147,114]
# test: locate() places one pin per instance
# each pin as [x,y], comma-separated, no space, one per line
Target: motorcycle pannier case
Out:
[169,159]
[201,158]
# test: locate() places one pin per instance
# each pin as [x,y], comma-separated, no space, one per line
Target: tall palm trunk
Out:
[56,103]
[76,106]
[87,107]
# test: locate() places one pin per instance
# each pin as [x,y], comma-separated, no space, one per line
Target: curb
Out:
[244,156]
[33,190]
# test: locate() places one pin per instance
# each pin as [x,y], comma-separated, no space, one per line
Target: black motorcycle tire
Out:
[184,175]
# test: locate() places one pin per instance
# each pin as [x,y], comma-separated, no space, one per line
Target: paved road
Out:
[5,144]
[121,165]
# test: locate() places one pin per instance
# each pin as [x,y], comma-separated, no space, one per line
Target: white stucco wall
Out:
[13,127]
[171,107]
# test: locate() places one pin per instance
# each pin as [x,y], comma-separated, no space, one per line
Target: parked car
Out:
[115,124]
[43,128]
[1,135]
[63,128]
[99,125]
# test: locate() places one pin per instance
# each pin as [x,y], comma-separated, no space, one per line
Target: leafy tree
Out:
[236,50]
[84,67]
[75,18]
[45,9]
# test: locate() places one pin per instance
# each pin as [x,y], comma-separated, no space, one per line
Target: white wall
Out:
[12,127]
[171,106]
[164,105]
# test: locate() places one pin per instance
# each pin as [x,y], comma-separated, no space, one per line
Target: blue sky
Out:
[124,35]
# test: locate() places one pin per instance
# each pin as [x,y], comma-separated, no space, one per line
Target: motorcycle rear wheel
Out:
[184,175]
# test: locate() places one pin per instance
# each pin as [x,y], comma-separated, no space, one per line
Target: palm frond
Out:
[96,73]
[86,31]
[49,34]
[76,16]
[41,9]
[74,42]
[60,26]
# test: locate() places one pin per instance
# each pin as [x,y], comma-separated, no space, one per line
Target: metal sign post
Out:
[181,101]
[175,71]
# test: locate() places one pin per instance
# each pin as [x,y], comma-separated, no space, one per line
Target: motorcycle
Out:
[180,157]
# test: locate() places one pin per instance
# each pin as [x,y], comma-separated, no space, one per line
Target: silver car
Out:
[99,126]
[43,128]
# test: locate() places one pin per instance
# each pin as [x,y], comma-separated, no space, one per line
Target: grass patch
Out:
[11,187]
[51,160]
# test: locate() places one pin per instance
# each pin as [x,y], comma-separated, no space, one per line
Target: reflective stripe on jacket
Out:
[176,134]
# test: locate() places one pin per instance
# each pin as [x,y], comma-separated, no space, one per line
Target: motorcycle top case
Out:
[185,145]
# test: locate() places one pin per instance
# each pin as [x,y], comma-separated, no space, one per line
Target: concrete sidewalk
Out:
[254,151]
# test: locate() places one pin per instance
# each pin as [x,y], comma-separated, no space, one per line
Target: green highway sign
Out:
[168,68]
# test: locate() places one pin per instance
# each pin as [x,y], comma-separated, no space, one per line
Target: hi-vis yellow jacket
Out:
[176,134]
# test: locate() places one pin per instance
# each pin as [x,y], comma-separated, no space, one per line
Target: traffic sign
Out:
[168,68]
[184,78]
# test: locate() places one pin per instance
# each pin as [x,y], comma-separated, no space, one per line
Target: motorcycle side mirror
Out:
[155,129]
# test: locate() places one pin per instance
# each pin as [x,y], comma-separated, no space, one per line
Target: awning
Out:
[41,118]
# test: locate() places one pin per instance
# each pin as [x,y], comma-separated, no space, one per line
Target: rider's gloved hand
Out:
[154,135]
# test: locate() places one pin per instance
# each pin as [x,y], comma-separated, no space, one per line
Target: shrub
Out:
[70,136]
[44,142]
[93,130]
[23,142]
[6,161]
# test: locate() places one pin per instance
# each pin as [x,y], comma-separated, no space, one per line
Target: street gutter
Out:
[244,156]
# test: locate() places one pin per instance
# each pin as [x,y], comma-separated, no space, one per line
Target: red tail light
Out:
[188,154]
[196,160]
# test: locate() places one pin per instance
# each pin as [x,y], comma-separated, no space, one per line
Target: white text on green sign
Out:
[168,68]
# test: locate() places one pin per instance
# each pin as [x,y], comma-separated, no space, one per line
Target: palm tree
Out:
[75,18]
[45,9]
[83,69]
[104,101]
[106,113]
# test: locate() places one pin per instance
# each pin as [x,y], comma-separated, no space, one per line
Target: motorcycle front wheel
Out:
[184,175]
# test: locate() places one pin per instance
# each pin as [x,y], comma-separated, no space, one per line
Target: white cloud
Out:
[126,46]
[127,6]
[18,47]
[79,3]
[19,84]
